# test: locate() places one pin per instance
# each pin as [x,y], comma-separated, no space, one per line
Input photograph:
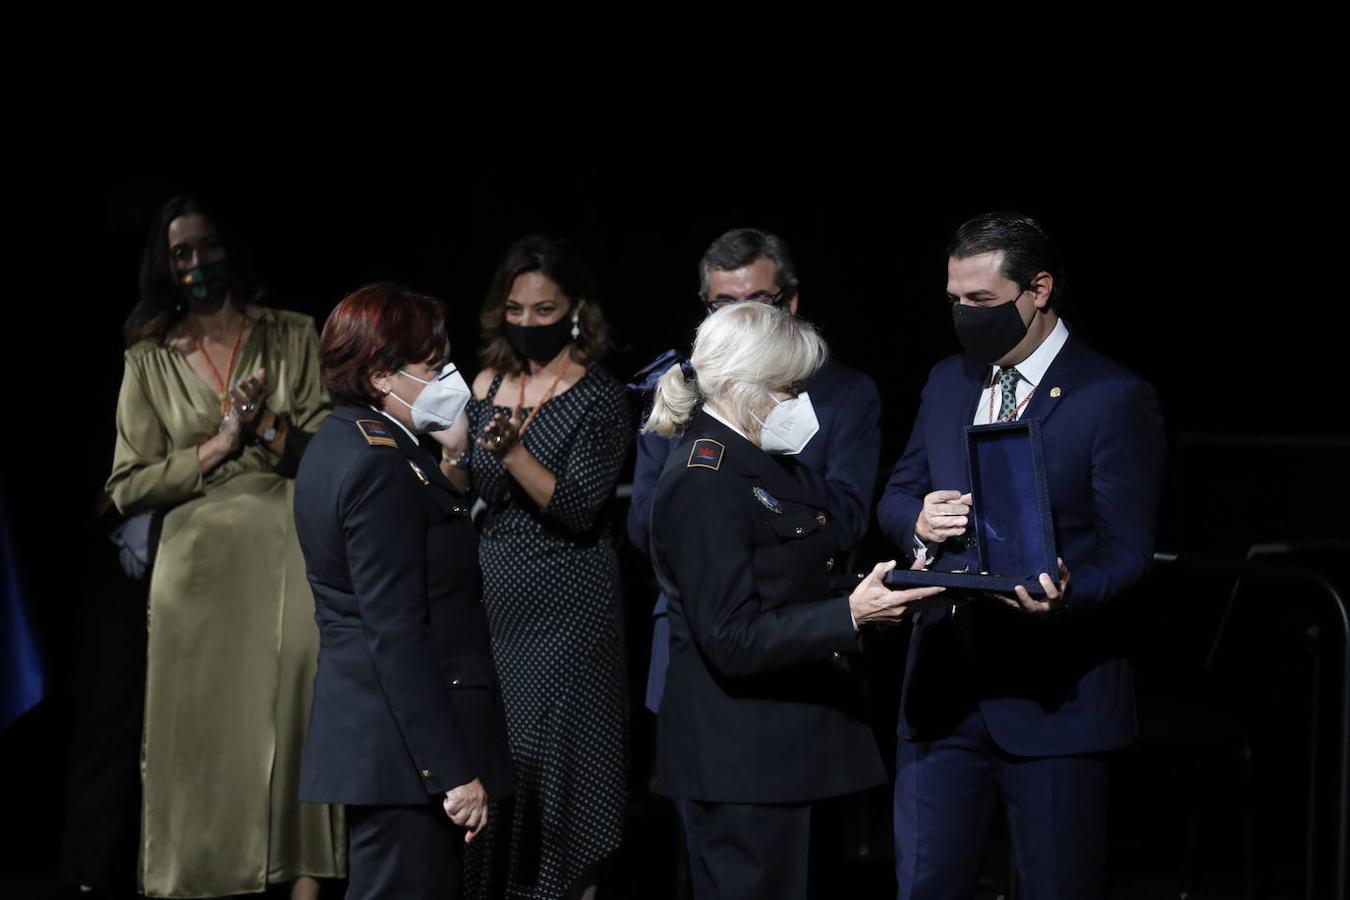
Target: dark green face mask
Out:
[205,282]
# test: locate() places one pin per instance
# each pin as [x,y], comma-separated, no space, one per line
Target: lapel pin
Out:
[1055,392]
[770,502]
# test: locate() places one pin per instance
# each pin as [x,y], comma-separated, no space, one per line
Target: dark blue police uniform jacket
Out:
[406,704]
[1045,686]
[841,460]
[763,703]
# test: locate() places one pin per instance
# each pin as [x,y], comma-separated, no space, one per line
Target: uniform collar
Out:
[723,419]
[407,442]
[778,475]
[412,437]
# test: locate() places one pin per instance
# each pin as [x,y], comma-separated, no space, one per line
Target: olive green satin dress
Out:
[232,641]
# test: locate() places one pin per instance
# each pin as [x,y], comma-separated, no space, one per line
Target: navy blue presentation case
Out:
[1010,516]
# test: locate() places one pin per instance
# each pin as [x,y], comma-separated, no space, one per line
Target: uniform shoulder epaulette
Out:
[376,433]
[706,454]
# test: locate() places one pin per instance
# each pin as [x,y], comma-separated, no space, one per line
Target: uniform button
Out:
[834,654]
[829,564]
[970,540]
[426,773]
[454,682]
[820,517]
[800,530]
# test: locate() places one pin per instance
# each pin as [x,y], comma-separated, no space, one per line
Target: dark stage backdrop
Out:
[1217,289]
[1213,277]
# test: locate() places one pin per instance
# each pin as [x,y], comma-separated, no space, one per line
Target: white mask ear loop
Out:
[440,402]
[388,392]
[776,403]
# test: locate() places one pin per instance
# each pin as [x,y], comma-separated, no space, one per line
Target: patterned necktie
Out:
[1007,385]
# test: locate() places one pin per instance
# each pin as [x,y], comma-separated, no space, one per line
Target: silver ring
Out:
[246,408]
[496,439]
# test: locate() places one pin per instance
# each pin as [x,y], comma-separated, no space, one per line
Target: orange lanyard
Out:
[520,402]
[221,383]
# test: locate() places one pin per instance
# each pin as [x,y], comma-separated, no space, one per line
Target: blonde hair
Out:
[741,353]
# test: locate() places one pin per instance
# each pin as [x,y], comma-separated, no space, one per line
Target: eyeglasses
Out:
[776,300]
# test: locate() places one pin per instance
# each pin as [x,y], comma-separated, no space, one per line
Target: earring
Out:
[576,327]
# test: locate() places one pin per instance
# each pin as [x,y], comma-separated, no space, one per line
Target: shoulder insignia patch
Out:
[706,453]
[376,433]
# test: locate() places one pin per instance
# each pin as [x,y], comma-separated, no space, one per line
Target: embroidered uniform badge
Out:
[376,433]
[706,453]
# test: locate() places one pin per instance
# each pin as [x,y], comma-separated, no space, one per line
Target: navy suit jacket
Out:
[406,704]
[764,703]
[841,462]
[1055,685]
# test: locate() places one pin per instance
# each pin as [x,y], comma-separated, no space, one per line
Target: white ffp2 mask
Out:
[789,426]
[439,403]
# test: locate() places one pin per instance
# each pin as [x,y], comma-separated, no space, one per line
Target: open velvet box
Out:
[1010,516]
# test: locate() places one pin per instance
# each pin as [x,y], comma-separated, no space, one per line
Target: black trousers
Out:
[747,851]
[103,792]
[403,853]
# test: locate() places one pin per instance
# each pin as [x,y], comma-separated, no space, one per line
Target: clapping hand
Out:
[246,404]
[499,435]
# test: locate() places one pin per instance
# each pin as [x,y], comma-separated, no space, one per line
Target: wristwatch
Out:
[268,434]
[457,462]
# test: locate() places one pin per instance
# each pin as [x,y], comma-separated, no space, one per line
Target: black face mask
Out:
[987,333]
[540,342]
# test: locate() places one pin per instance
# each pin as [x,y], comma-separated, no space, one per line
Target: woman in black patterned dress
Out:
[548,432]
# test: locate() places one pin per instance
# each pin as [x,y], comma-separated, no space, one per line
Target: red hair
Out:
[378,328]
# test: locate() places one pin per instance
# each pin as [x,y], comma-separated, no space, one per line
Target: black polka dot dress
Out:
[552,592]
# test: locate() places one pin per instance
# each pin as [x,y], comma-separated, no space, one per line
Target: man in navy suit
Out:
[1014,696]
[749,264]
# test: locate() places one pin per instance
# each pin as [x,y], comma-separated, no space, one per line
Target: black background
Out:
[1210,262]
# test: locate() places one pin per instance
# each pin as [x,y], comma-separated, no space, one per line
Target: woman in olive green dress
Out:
[219,397]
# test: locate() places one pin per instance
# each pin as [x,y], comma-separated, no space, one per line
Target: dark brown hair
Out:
[555,259]
[1027,249]
[161,305]
[378,328]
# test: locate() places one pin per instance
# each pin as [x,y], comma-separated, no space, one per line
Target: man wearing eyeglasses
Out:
[749,265]
[1015,697]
